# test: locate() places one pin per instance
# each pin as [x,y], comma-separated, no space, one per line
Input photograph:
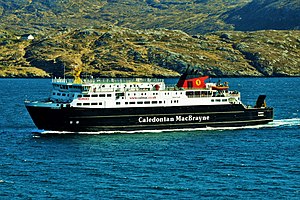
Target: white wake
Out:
[293,122]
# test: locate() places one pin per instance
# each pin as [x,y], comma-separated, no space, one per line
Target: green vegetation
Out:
[149,37]
[111,51]
[193,17]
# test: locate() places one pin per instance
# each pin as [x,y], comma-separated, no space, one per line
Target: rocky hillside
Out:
[193,17]
[149,37]
[266,14]
[198,16]
[118,52]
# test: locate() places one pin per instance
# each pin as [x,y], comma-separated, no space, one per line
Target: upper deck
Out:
[137,92]
[106,80]
[108,84]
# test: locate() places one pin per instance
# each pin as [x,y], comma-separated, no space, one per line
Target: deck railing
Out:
[109,80]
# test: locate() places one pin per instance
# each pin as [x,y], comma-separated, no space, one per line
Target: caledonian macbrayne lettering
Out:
[178,118]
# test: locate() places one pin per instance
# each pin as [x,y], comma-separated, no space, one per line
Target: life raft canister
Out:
[157,87]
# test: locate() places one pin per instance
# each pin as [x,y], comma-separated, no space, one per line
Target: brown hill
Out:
[120,52]
[193,17]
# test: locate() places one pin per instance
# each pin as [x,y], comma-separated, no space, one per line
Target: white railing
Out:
[110,80]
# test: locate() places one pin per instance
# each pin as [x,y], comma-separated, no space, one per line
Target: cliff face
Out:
[112,51]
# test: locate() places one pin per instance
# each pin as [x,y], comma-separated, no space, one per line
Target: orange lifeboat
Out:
[220,86]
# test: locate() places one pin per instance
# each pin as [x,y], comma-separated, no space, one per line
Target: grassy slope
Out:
[70,33]
[189,16]
[116,51]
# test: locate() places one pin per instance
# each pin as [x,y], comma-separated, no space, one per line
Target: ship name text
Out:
[178,118]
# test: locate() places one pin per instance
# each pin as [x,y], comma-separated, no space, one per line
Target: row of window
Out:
[94,95]
[134,94]
[154,93]
[98,95]
[189,94]
[125,86]
[66,87]
[198,93]
[90,104]
[146,102]
[126,103]
[80,95]
[62,94]
[117,94]
[142,102]
[219,100]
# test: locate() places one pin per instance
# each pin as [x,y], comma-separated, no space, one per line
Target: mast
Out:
[77,79]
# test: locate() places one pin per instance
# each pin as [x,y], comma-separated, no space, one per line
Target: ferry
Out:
[111,104]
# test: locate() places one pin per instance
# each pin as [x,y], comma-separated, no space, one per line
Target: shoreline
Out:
[162,77]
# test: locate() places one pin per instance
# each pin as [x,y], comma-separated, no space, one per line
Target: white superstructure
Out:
[139,92]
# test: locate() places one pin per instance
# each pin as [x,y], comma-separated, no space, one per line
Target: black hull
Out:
[146,118]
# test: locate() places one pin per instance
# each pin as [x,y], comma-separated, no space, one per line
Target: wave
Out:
[286,122]
[275,124]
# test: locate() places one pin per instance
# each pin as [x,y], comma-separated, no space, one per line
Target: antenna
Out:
[187,69]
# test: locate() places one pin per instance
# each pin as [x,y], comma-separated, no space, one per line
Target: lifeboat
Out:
[220,87]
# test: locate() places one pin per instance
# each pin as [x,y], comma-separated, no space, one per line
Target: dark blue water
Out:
[252,163]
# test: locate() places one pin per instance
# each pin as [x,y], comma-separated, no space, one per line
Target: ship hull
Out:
[73,119]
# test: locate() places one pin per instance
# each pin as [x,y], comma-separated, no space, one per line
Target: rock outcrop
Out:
[266,14]
[111,51]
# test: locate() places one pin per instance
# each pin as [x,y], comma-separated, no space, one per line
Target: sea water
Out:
[258,162]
